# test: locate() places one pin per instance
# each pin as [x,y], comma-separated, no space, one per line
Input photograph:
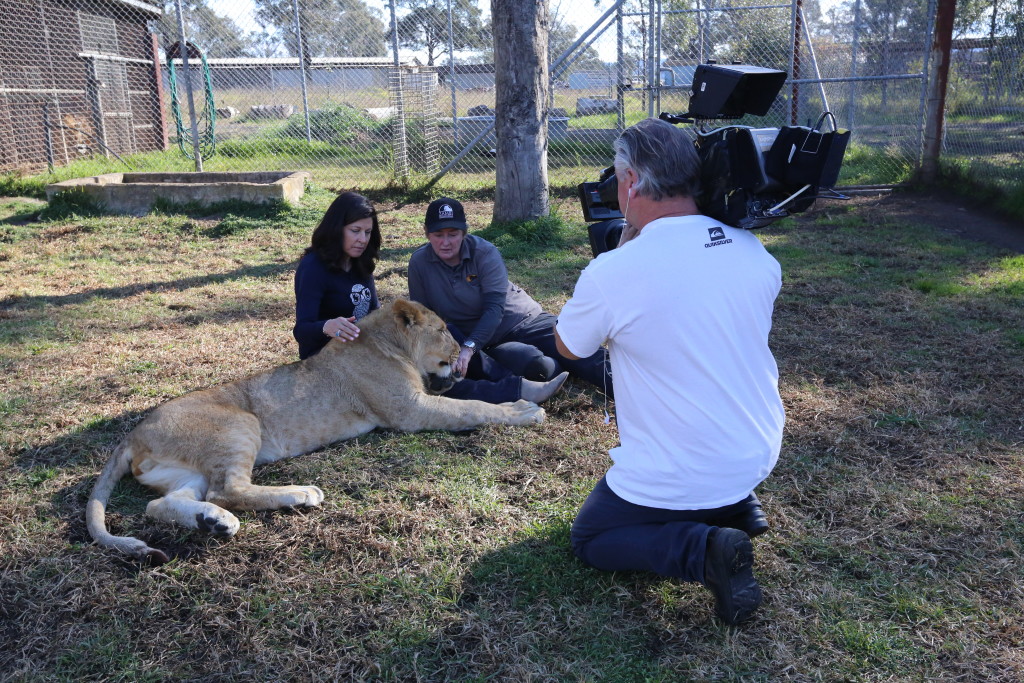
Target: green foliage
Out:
[255,148]
[71,205]
[330,28]
[964,178]
[527,238]
[215,34]
[10,406]
[866,165]
[425,27]
[337,125]
[16,185]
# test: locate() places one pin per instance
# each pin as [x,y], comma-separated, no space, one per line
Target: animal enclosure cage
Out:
[77,80]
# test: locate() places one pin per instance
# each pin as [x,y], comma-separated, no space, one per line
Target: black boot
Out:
[729,575]
[750,520]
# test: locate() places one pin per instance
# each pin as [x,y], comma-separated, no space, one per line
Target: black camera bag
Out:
[808,156]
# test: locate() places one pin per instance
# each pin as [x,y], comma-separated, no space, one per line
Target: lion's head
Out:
[432,347]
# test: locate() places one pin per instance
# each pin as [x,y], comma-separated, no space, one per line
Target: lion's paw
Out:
[219,525]
[314,496]
[525,413]
[306,496]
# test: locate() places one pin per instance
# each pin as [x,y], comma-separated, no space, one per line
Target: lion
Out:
[198,450]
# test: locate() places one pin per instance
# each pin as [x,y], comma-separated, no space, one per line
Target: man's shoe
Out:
[751,521]
[729,575]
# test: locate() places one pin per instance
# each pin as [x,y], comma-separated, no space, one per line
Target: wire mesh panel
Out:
[374,92]
[867,63]
[984,137]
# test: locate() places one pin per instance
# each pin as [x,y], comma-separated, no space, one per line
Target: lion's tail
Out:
[96,509]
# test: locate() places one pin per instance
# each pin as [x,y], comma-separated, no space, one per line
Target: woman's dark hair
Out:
[328,241]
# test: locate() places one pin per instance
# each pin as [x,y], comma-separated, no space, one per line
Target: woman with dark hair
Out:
[334,289]
[334,280]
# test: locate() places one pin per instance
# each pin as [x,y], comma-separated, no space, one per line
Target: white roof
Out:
[294,61]
[140,4]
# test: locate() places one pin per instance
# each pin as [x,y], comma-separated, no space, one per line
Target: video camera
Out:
[750,177]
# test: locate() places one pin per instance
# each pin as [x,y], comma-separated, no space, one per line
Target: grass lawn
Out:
[895,552]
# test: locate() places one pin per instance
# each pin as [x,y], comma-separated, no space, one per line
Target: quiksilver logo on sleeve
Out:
[717,237]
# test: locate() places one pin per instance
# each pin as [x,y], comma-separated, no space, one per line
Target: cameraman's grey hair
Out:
[663,158]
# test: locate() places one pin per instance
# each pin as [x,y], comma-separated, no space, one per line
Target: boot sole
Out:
[737,594]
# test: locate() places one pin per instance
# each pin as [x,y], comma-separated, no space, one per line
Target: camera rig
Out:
[750,177]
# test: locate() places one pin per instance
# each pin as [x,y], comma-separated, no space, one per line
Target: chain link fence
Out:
[328,86]
[984,132]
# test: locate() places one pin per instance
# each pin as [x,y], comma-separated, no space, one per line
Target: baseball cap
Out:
[445,213]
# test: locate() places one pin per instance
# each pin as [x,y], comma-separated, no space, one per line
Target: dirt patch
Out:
[950,214]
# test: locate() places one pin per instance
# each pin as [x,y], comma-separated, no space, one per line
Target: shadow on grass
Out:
[520,592]
[114,293]
[25,216]
[541,565]
[96,438]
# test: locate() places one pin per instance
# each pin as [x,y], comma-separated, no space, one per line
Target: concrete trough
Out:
[136,193]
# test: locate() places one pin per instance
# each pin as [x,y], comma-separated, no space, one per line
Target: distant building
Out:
[75,77]
[270,73]
[591,80]
[468,76]
[676,72]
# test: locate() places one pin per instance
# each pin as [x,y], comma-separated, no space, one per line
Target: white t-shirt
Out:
[686,308]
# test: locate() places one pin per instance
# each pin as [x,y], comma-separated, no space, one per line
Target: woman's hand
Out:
[462,362]
[344,329]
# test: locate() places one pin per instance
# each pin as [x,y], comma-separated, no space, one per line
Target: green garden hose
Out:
[207,118]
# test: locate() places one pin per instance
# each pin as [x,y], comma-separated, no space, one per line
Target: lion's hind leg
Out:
[183,501]
[233,489]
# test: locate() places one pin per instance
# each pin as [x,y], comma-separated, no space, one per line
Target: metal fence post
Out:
[302,68]
[650,59]
[852,118]
[451,71]
[795,71]
[399,142]
[188,88]
[656,72]
[814,64]
[48,137]
[620,75]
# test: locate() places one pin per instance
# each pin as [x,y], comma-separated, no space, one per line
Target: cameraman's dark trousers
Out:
[612,534]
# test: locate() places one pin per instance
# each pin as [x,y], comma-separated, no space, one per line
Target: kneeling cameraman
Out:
[685,306]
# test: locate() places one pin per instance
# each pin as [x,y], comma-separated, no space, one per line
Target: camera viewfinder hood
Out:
[730,91]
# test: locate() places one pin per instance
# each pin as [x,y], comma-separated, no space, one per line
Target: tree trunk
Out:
[520,84]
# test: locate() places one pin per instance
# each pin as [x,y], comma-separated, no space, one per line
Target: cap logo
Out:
[445,211]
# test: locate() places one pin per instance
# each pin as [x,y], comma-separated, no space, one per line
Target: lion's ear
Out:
[407,312]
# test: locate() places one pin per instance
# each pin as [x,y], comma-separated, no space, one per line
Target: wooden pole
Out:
[938,80]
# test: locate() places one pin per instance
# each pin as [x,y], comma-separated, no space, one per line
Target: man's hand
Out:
[628,232]
[462,362]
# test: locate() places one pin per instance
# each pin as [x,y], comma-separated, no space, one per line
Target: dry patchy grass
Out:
[897,532]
